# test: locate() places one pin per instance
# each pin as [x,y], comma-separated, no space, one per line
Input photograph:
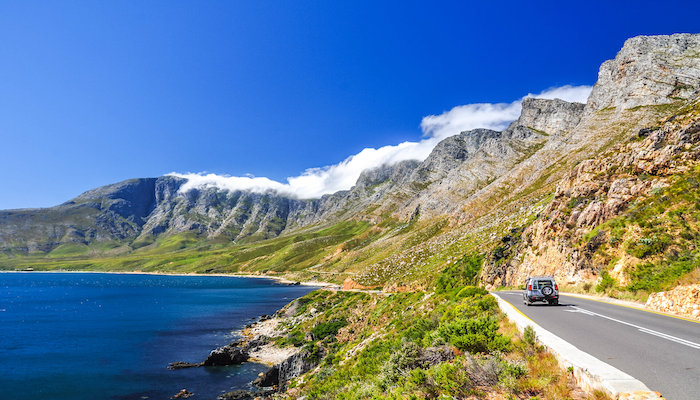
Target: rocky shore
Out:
[256,345]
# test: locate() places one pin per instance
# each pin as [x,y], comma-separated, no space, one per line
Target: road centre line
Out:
[640,328]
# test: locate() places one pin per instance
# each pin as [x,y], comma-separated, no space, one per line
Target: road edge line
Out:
[590,373]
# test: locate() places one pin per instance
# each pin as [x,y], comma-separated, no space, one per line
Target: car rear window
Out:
[544,283]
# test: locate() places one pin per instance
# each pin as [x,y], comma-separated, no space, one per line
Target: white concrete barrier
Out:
[590,373]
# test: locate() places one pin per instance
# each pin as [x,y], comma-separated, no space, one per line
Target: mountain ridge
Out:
[479,192]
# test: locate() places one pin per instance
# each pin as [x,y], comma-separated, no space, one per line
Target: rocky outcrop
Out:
[350,284]
[182,394]
[237,395]
[183,365]
[682,300]
[269,378]
[227,355]
[294,366]
[649,70]
[550,116]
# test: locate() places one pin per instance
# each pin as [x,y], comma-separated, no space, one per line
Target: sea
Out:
[93,336]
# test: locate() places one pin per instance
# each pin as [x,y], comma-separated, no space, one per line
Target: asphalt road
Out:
[659,350]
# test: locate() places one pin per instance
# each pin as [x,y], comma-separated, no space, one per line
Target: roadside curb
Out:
[590,373]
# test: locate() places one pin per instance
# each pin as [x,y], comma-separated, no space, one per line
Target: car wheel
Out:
[547,291]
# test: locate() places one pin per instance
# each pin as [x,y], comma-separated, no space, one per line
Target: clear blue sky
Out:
[96,92]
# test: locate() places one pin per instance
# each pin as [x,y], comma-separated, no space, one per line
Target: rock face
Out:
[269,378]
[682,300]
[294,366]
[550,116]
[649,70]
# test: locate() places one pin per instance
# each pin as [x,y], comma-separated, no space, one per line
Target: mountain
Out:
[533,198]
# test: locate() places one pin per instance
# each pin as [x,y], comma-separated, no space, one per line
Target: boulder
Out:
[227,355]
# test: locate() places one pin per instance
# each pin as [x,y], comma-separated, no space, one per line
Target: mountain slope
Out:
[479,192]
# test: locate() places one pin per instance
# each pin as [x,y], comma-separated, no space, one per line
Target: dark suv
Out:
[541,288]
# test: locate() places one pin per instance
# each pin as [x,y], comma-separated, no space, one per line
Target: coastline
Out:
[279,279]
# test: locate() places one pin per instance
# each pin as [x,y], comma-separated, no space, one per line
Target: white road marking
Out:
[640,328]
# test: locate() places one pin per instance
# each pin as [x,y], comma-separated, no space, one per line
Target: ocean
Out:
[111,336]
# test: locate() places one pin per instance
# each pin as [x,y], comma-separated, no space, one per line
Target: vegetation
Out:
[662,231]
[418,345]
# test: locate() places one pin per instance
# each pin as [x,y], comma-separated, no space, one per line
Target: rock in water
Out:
[268,378]
[227,355]
[237,395]
[182,394]
[182,364]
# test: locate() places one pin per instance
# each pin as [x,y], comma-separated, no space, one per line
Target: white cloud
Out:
[315,182]
[493,116]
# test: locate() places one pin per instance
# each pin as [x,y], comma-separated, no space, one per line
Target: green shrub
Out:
[661,275]
[400,362]
[472,291]
[606,282]
[648,246]
[462,273]
[475,335]
[445,379]
[326,329]
[529,336]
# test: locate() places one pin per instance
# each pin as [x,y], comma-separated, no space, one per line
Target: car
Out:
[541,288]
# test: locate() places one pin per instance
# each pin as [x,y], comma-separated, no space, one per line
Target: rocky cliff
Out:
[591,230]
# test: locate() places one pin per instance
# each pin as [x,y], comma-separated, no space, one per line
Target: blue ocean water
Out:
[111,336]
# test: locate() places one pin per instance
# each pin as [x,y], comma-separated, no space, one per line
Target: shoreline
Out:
[279,279]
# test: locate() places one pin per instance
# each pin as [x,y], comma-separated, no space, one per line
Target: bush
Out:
[661,275]
[648,246]
[331,328]
[444,379]
[529,336]
[401,361]
[475,335]
[462,273]
[606,282]
[472,291]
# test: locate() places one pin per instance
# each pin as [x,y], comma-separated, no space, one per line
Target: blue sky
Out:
[96,92]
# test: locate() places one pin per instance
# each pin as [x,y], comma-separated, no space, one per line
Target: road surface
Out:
[661,351]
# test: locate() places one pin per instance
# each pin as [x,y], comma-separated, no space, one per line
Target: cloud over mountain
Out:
[315,182]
